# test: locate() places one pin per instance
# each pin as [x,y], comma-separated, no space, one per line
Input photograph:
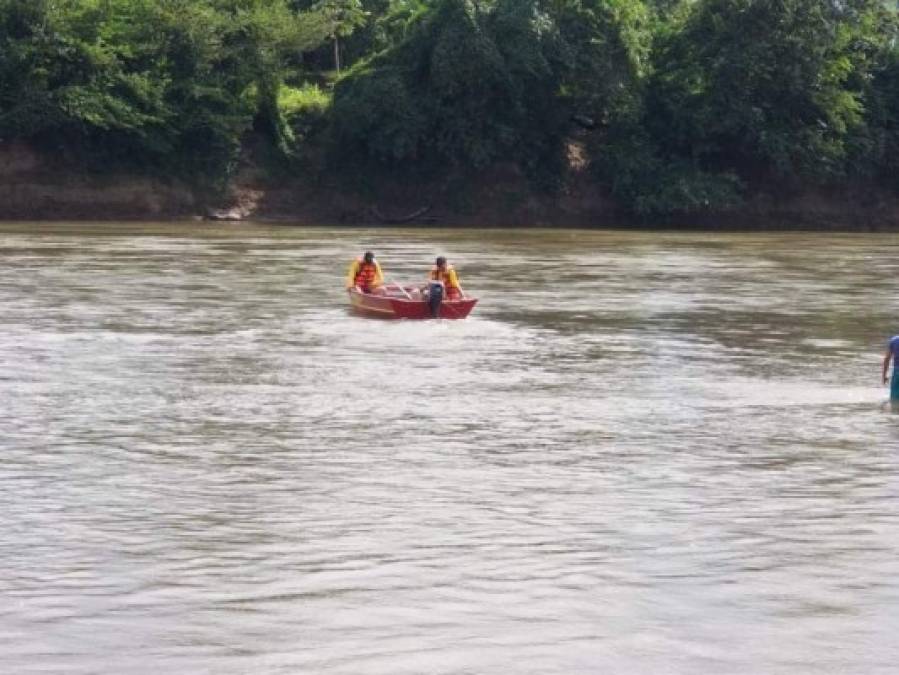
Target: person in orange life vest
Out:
[365,274]
[445,274]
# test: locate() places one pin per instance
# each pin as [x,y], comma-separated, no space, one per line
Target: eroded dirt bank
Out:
[33,188]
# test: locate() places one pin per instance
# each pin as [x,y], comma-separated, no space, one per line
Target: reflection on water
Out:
[643,453]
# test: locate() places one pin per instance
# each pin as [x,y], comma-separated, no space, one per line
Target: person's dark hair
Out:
[440,261]
[368,257]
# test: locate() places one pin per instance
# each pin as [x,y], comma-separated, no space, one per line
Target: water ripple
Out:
[643,453]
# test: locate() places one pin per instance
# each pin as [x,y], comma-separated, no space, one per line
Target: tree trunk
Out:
[336,54]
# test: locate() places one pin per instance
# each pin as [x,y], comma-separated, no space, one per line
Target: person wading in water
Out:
[365,274]
[891,355]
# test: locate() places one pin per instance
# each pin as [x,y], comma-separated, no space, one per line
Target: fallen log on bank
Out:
[399,220]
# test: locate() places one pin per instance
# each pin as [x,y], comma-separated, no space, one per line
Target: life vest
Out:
[447,277]
[442,275]
[366,275]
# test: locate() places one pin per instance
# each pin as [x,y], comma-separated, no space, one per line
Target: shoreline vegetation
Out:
[31,189]
[709,114]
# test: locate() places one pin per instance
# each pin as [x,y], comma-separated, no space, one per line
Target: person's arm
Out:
[886,364]
[379,275]
[351,274]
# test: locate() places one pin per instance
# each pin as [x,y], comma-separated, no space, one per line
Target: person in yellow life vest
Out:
[365,274]
[444,273]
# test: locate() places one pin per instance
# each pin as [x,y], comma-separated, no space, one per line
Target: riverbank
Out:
[33,188]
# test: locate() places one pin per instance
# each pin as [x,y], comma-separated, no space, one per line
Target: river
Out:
[643,453]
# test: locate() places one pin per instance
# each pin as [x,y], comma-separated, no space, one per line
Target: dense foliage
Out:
[167,84]
[681,105]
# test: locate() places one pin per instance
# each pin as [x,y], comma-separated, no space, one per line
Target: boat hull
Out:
[402,304]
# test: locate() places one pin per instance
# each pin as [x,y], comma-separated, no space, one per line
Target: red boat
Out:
[407,302]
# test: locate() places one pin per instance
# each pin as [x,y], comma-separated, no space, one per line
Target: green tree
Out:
[764,85]
[342,18]
[465,86]
[606,44]
[167,84]
[260,38]
[876,151]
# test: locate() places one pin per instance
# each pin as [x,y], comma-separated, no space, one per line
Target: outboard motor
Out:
[435,298]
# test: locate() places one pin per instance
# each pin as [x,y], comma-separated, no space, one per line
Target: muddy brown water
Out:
[643,453]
